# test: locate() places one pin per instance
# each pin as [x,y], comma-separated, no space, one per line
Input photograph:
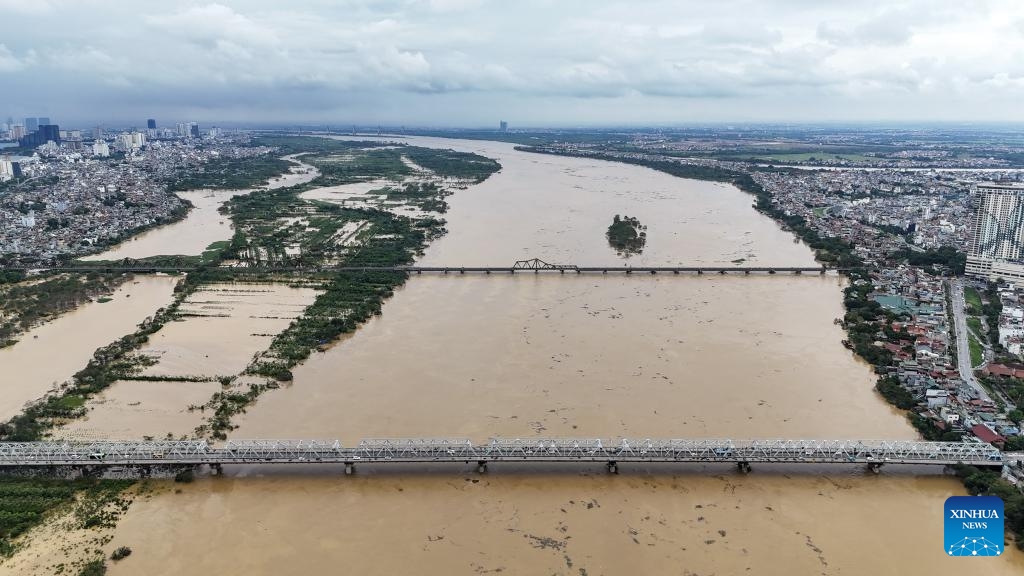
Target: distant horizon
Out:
[363,127]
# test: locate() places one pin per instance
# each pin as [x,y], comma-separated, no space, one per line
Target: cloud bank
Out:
[532,62]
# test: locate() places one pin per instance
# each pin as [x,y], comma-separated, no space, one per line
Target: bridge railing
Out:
[459,449]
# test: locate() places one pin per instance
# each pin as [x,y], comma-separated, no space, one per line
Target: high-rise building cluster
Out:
[188,129]
[35,132]
[996,247]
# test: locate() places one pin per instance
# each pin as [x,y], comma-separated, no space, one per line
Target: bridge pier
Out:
[747,272]
[613,467]
[481,467]
[744,467]
[350,468]
[771,271]
[628,271]
[654,271]
[700,272]
[875,467]
[216,470]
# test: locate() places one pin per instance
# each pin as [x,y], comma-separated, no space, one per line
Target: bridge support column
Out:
[797,272]
[747,272]
[488,272]
[613,467]
[562,271]
[875,467]
[771,271]
[481,467]
[700,272]
[744,467]
[350,468]
[216,470]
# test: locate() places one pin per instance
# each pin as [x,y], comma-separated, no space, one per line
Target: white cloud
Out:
[460,58]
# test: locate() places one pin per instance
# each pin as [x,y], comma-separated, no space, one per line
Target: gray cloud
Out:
[432,62]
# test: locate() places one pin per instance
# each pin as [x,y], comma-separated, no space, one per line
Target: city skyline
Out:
[473,63]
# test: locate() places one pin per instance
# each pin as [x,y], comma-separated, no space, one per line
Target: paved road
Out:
[962,347]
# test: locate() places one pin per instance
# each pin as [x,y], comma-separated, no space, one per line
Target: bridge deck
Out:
[143,269]
[45,454]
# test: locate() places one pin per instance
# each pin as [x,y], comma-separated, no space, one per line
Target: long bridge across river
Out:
[743,453]
[534,265]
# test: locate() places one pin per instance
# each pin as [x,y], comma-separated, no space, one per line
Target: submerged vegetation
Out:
[25,304]
[26,503]
[626,235]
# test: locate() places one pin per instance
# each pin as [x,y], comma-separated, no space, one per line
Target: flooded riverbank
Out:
[52,353]
[203,225]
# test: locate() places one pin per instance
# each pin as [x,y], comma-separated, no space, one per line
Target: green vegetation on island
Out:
[626,235]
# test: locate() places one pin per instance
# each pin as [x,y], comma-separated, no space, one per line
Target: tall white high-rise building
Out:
[6,169]
[996,247]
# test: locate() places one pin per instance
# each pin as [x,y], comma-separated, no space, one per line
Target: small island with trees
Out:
[627,236]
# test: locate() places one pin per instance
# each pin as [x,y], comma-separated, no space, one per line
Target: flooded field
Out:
[52,353]
[223,326]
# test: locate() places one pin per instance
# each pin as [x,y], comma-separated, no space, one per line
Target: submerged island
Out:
[627,236]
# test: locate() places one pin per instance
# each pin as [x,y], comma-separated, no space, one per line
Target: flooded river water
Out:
[203,225]
[52,353]
[608,356]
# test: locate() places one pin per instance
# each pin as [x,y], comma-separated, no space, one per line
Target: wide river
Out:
[588,356]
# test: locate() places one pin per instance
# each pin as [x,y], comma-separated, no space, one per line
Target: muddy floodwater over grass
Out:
[50,354]
[590,356]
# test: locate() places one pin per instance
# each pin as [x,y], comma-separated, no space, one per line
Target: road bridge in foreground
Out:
[534,265]
[742,453]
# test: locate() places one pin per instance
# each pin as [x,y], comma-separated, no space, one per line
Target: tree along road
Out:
[962,345]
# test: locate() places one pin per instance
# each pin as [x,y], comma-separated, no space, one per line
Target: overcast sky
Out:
[531,62]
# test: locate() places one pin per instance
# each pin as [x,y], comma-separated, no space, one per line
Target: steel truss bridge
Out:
[535,265]
[743,453]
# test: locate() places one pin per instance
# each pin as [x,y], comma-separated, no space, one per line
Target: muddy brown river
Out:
[534,355]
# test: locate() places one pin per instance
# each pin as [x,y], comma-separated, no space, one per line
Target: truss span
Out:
[387,450]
